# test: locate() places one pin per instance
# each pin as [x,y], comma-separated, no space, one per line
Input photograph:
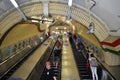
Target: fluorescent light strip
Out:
[14,3]
[70,3]
[34,20]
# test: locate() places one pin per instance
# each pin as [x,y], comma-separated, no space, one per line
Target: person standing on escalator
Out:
[49,72]
[93,66]
[57,52]
[78,43]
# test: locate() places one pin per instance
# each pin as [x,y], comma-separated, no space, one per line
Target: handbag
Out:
[87,67]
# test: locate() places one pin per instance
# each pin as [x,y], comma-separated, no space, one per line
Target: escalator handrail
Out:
[103,67]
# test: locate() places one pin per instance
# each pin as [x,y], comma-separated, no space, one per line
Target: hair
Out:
[92,55]
[87,47]
[48,62]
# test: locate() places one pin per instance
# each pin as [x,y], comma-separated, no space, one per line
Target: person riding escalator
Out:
[49,72]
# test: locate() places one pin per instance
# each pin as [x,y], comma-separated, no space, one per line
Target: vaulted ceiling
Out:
[107,11]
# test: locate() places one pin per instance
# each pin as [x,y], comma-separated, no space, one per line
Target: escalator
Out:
[8,73]
[81,62]
[57,71]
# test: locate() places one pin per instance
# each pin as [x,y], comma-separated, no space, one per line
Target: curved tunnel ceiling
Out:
[107,11]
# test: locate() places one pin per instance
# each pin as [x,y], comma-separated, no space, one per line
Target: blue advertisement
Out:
[16,79]
[9,49]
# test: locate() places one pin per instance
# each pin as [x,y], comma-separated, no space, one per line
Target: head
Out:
[92,55]
[87,47]
[48,65]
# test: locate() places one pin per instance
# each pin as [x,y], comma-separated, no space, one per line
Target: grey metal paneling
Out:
[23,1]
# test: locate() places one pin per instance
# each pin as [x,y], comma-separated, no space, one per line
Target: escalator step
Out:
[85,76]
[83,72]
[82,69]
[82,66]
[81,62]
[86,79]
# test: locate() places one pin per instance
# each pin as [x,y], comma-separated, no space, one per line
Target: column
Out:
[21,13]
[69,9]
[45,8]
[68,13]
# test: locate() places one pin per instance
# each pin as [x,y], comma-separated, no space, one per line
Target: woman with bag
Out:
[93,66]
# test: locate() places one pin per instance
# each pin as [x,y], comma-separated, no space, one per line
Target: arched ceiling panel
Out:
[6,4]
[106,10]
[5,7]
[61,9]
[23,1]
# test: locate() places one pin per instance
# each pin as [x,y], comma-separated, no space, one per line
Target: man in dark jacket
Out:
[49,72]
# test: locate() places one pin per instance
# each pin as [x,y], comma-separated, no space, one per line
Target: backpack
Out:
[93,62]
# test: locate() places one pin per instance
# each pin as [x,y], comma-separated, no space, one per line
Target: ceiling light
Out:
[69,3]
[14,3]
[64,27]
[34,21]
